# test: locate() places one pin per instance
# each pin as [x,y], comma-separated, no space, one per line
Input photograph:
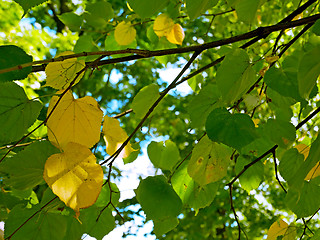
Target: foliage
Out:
[81,91]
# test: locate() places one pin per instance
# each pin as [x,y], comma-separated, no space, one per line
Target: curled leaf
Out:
[74,176]
[114,136]
[176,35]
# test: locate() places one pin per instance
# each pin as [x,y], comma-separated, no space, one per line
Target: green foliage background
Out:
[253,68]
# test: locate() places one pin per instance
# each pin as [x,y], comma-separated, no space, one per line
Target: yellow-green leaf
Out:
[209,161]
[60,74]
[74,176]
[114,136]
[74,120]
[176,35]
[163,25]
[281,228]
[124,33]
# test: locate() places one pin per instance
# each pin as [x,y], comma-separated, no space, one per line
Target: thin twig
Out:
[276,170]
[234,212]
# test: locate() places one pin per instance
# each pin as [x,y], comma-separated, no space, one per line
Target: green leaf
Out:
[94,226]
[253,176]
[146,8]
[280,132]
[235,130]
[191,193]
[305,201]
[74,229]
[17,112]
[11,56]
[316,28]
[209,161]
[308,72]
[163,226]
[308,164]
[247,9]
[290,162]
[316,235]
[202,104]
[25,169]
[100,10]
[28,4]
[72,20]
[144,100]
[235,75]
[196,8]
[157,198]
[44,225]
[284,82]
[164,157]
[104,196]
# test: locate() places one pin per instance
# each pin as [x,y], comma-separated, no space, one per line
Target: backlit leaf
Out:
[253,176]
[44,225]
[247,9]
[235,75]
[195,8]
[202,104]
[60,74]
[146,8]
[144,100]
[164,157]
[163,226]
[278,228]
[124,33]
[28,4]
[176,35]
[114,136]
[290,162]
[11,56]
[74,176]
[17,112]
[209,161]
[281,132]
[74,120]
[25,169]
[308,71]
[308,164]
[303,201]
[157,198]
[163,25]
[190,192]
[94,226]
[235,130]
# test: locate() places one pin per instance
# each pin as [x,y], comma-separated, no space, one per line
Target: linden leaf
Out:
[114,136]
[281,228]
[163,25]
[74,120]
[209,161]
[315,171]
[60,74]
[74,176]
[124,33]
[176,35]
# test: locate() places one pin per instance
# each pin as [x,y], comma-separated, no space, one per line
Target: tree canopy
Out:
[85,85]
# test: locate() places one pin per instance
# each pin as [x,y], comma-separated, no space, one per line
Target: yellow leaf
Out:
[303,149]
[124,33]
[163,25]
[176,35]
[278,228]
[74,176]
[74,120]
[60,74]
[271,59]
[114,136]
